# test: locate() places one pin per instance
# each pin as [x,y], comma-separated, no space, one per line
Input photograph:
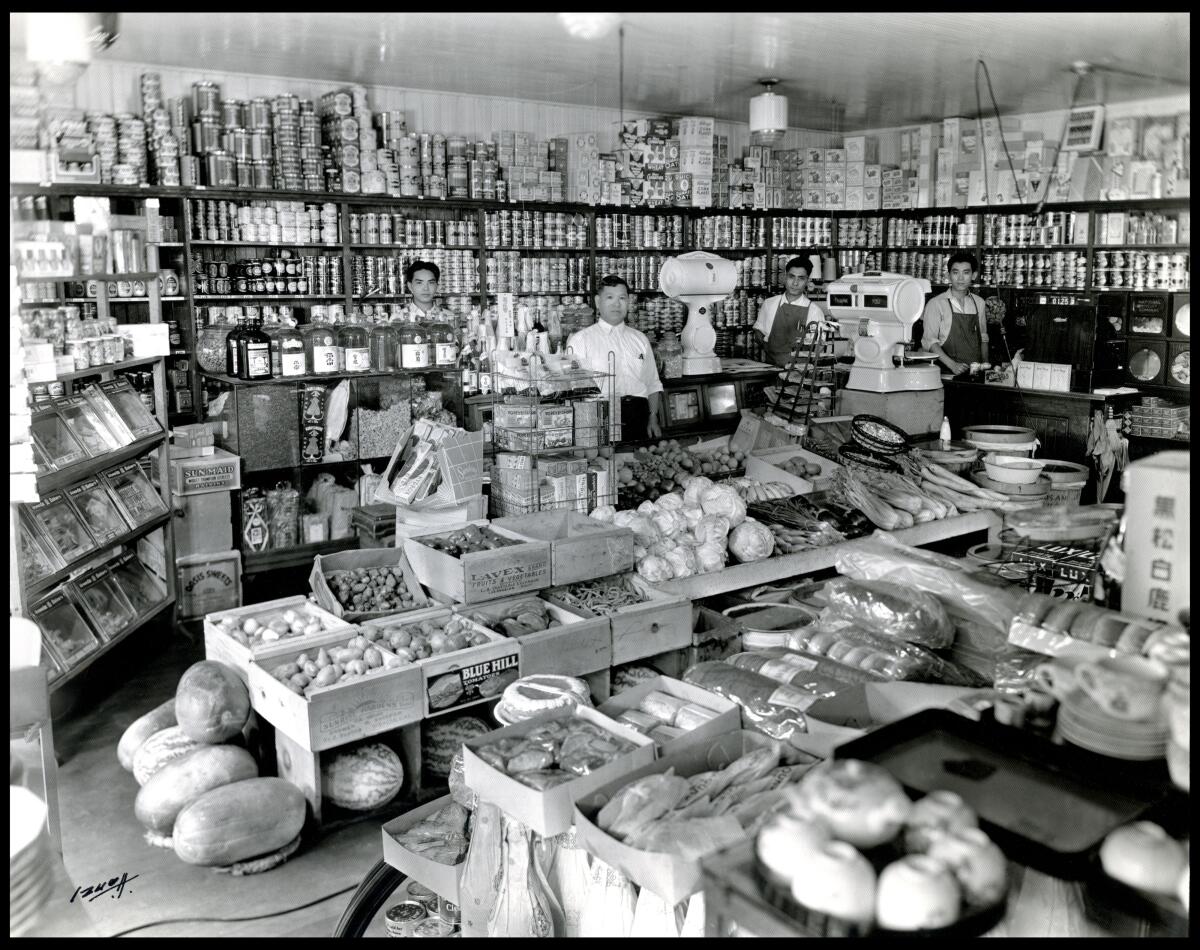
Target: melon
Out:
[164,746]
[239,821]
[441,739]
[181,781]
[362,778]
[211,702]
[157,719]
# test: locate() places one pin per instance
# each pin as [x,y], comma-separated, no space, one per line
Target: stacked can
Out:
[1141,270]
[860,232]
[103,129]
[408,165]
[130,168]
[285,128]
[640,271]
[731,231]
[801,232]
[340,134]
[751,271]
[206,138]
[311,156]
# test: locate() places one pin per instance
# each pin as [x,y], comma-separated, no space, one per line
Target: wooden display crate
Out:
[442,879]
[728,715]
[223,648]
[325,565]
[481,575]
[714,637]
[578,646]
[660,623]
[580,547]
[763,464]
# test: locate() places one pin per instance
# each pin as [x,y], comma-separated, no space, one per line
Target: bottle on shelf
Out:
[320,346]
[292,353]
[271,326]
[414,346]
[233,349]
[354,342]
[383,340]
[254,352]
[443,340]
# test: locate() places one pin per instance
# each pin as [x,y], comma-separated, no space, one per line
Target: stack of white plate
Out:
[1081,722]
[30,865]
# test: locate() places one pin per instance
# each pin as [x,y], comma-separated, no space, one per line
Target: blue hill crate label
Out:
[486,679]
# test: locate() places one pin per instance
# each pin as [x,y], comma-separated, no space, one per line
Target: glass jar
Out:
[320,346]
[384,339]
[414,346]
[254,353]
[292,351]
[444,344]
[353,340]
[210,344]
[670,353]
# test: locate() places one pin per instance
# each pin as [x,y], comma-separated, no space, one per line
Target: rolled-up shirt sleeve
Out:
[763,323]
[934,332]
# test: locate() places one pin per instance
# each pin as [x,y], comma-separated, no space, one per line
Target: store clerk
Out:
[956,321]
[421,280]
[638,385]
[781,319]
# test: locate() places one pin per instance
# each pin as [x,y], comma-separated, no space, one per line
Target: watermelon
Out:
[362,778]
[159,718]
[239,821]
[442,738]
[162,747]
[211,702]
[181,781]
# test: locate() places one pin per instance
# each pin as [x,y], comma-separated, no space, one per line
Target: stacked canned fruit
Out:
[398,229]
[859,232]
[535,229]
[801,232]
[1141,270]
[1060,269]
[639,231]
[265,222]
[730,231]
[509,272]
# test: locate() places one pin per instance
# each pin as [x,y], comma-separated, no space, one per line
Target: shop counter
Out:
[744,576]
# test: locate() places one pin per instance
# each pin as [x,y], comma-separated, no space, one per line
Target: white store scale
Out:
[699,279]
[877,311]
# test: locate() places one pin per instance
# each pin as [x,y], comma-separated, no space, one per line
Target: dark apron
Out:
[635,416]
[964,343]
[789,323]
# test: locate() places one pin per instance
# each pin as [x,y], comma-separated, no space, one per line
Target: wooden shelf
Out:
[745,576]
[423,247]
[1026,248]
[256,562]
[324,377]
[43,585]
[196,242]
[109,368]
[203,298]
[154,614]
[53,481]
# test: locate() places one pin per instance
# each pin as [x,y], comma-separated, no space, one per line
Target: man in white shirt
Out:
[638,385]
[782,318]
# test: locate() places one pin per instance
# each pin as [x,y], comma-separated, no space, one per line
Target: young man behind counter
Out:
[638,385]
[782,318]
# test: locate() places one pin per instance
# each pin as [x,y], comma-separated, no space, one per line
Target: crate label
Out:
[210,476]
[514,573]
[483,680]
[394,707]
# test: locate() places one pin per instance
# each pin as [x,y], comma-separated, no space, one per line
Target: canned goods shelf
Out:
[331,247]
[167,243]
[935,247]
[559,250]
[108,368]
[324,377]
[113,300]
[1141,247]
[204,297]
[150,275]
[420,247]
[999,248]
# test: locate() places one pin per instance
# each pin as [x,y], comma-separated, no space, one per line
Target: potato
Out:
[313,628]
[240,637]
[372,634]
[302,659]
[323,658]
[266,634]
[373,658]
[359,643]
[310,669]
[250,626]
[300,680]
[405,655]
[356,666]
[298,690]
[285,671]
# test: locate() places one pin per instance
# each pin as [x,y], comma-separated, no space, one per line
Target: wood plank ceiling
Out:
[840,71]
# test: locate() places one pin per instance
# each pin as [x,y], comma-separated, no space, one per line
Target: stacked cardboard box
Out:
[791,177]
[524,164]
[577,158]
[700,156]
[861,151]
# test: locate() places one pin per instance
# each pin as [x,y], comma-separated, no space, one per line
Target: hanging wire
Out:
[621,78]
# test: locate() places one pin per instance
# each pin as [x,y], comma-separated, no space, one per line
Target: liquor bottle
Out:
[414,346]
[320,347]
[354,342]
[292,352]
[254,353]
[383,341]
[445,347]
[232,350]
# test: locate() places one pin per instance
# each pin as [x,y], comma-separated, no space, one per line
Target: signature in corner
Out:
[115,887]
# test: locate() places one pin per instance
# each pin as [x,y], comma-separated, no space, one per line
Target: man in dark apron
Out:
[782,319]
[956,322]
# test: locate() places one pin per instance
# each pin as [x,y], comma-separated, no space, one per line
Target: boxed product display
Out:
[240,635]
[65,632]
[142,588]
[362,585]
[85,424]
[477,564]
[440,878]
[676,715]
[513,767]
[208,582]
[133,412]
[553,640]
[580,547]
[38,557]
[100,594]
[140,502]
[98,510]
[433,459]
[53,440]
[61,527]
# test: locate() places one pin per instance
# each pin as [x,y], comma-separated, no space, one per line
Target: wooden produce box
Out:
[341,713]
[548,812]
[763,465]
[325,565]
[442,879]
[661,622]
[714,636]
[580,547]
[728,713]
[578,646]
[669,876]
[481,575]
[223,648]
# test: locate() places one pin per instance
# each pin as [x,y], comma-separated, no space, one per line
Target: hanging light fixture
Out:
[768,115]
[61,44]
[588,26]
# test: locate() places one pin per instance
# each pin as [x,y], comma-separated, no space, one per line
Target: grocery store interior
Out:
[599,474]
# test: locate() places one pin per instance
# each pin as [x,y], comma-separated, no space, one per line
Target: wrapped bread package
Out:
[891,610]
[691,716]
[664,734]
[640,721]
[770,707]
[662,706]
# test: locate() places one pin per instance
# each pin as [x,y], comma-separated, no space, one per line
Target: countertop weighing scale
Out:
[877,311]
[698,279]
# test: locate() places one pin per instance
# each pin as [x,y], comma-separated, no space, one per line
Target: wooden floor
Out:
[102,838]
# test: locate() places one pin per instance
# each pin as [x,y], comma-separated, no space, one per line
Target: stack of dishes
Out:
[1081,722]
[30,866]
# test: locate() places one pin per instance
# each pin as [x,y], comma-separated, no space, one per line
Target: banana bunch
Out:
[752,490]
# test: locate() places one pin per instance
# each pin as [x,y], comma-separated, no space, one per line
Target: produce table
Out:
[745,576]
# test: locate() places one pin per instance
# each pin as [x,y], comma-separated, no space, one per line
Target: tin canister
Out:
[261,173]
[432,928]
[448,912]
[221,168]
[231,113]
[245,175]
[410,181]
[206,99]
[206,135]
[403,918]
[419,892]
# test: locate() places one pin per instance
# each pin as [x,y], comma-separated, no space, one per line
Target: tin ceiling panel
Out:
[840,71]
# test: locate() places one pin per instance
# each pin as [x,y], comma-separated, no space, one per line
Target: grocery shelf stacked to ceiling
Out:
[294,374]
